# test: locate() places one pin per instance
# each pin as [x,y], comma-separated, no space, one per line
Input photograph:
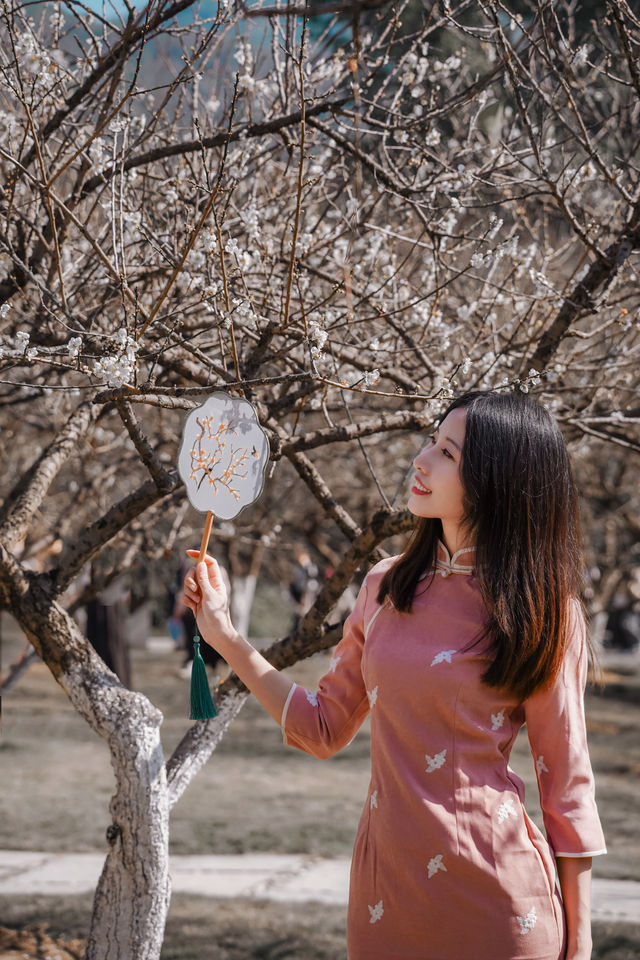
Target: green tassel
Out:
[202,706]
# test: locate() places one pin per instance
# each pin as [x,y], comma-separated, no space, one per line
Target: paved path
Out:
[261,875]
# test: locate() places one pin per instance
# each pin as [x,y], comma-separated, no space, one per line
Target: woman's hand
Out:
[206,594]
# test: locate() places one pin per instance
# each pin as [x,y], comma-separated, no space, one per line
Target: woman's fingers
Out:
[207,558]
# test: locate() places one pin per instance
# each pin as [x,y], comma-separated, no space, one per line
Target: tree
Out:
[194,202]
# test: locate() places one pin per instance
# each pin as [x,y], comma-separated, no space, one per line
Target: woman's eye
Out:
[447,454]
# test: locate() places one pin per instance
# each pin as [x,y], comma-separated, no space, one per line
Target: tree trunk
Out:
[132,898]
[242,594]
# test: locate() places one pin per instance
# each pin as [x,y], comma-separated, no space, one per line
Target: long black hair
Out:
[520,509]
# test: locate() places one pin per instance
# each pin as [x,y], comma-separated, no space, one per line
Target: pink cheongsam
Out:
[447,865]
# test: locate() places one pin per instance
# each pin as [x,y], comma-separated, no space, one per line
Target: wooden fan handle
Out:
[205,536]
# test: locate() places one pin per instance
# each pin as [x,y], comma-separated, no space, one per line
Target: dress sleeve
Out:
[558,738]
[324,722]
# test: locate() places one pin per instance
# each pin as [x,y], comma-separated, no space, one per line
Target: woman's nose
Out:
[420,461]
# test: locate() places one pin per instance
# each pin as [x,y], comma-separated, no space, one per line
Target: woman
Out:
[474,630]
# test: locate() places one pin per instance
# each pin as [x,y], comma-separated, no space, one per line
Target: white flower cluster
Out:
[74,346]
[466,310]
[437,325]
[244,59]
[580,56]
[251,221]
[119,368]
[10,127]
[243,310]
[415,68]
[22,341]
[31,57]
[210,241]
[98,153]
[242,257]
[118,124]
[533,379]
[318,337]
[20,346]
[450,65]
[304,243]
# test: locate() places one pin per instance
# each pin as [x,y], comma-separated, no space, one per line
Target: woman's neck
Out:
[456,537]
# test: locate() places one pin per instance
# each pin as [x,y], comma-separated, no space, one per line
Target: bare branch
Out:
[21,505]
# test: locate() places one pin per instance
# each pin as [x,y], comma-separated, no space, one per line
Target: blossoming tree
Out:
[345,213]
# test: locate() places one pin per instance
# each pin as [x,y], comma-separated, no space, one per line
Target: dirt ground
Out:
[253,795]
[203,929]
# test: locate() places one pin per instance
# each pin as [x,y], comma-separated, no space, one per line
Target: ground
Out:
[253,795]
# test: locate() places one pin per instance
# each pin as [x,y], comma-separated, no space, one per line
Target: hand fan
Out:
[222,461]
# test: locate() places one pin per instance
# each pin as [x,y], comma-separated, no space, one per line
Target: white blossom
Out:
[22,341]
[318,337]
[118,369]
[74,345]
[580,56]
[466,310]
[119,123]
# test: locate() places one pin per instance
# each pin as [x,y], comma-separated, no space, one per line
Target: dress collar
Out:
[447,564]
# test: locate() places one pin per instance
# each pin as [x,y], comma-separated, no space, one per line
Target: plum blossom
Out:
[318,338]
[22,341]
[580,56]
[73,346]
[118,368]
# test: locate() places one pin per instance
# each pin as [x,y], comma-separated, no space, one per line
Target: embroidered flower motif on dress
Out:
[374,800]
[434,763]
[373,696]
[334,663]
[443,656]
[376,912]
[312,698]
[506,809]
[497,719]
[527,923]
[434,865]
[541,766]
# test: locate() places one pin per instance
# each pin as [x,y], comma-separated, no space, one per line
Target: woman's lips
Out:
[419,488]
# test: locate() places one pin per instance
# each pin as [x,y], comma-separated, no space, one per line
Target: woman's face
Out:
[436,489]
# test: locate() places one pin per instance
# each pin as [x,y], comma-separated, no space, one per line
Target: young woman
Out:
[474,630]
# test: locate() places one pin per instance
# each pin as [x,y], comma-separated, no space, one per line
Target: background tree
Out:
[346,225]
